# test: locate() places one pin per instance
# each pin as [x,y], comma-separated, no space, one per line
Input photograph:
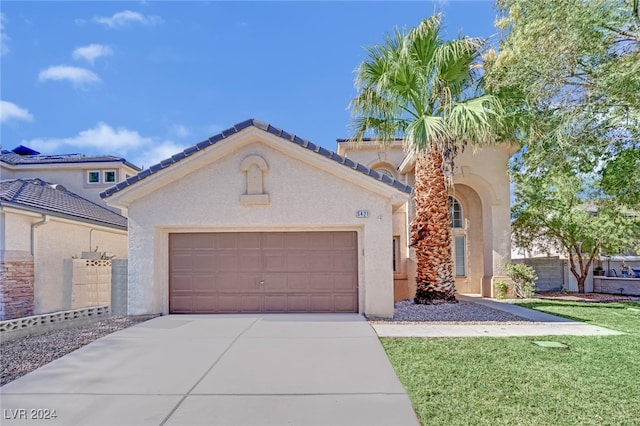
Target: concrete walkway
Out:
[543,325]
[219,370]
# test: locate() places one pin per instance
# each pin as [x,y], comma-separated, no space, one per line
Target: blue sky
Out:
[144,80]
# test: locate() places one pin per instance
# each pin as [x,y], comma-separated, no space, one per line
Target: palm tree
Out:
[425,90]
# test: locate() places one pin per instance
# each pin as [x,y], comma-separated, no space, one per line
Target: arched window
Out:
[385,172]
[456,213]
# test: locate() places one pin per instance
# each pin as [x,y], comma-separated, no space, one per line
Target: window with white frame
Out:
[460,251]
[109,176]
[93,177]
[459,238]
[456,213]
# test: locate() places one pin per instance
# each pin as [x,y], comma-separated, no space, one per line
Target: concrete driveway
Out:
[219,370]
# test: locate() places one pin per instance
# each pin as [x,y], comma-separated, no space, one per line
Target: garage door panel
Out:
[203,283]
[203,261]
[226,261]
[296,240]
[320,283]
[182,282]
[297,282]
[346,261]
[274,240]
[345,303]
[275,261]
[345,240]
[275,303]
[204,304]
[250,261]
[321,262]
[234,282]
[181,304]
[344,282]
[228,303]
[226,241]
[274,282]
[320,303]
[297,261]
[249,240]
[302,272]
[252,303]
[191,241]
[182,261]
[298,303]
[322,241]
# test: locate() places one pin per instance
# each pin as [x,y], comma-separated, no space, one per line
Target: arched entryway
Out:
[467,239]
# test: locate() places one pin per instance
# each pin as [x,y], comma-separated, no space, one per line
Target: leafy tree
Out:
[561,209]
[569,71]
[422,88]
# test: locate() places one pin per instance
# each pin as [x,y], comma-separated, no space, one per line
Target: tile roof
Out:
[267,128]
[14,159]
[43,197]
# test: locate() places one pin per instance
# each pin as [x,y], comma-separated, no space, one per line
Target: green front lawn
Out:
[495,381]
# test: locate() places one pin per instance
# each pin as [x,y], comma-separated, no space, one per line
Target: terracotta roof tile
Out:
[38,195]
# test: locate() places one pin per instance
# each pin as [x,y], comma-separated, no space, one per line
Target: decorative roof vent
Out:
[57,186]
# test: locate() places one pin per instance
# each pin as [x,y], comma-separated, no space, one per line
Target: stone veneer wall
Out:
[16,286]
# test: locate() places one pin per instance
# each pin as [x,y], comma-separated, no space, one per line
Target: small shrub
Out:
[524,279]
[502,287]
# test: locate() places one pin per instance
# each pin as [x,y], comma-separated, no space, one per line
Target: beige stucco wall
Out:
[485,171]
[482,186]
[372,155]
[55,241]
[306,193]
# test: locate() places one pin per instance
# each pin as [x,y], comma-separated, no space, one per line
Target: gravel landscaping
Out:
[26,354]
[454,313]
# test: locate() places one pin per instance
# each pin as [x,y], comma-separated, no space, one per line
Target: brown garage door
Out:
[263,272]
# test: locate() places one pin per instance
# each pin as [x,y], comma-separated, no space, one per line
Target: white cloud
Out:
[11,111]
[180,130]
[92,52]
[4,38]
[127,17]
[102,137]
[158,152]
[78,76]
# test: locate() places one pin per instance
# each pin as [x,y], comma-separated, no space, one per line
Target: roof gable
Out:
[304,143]
[37,195]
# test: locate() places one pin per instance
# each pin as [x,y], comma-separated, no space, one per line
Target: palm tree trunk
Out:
[431,231]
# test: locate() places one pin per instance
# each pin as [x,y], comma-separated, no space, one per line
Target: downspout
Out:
[44,221]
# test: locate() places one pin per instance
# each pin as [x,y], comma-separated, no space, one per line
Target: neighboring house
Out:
[257,219]
[480,208]
[85,175]
[41,225]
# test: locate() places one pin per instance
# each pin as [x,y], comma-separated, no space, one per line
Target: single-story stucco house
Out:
[256,219]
